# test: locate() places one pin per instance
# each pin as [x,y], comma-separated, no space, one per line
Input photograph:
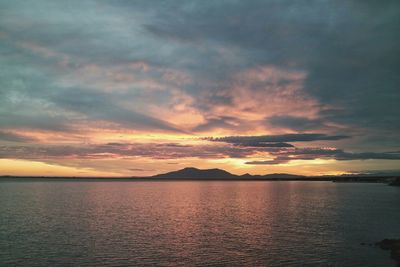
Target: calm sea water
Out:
[170,223]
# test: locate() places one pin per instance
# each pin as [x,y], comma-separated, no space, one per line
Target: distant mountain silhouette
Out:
[194,173]
[218,174]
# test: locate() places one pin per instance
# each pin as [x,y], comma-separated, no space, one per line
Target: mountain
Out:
[218,174]
[194,173]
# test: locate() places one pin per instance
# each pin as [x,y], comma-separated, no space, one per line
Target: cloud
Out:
[99,106]
[219,122]
[256,92]
[42,122]
[123,150]
[339,154]
[368,155]
[296,123]
[263,144]
[12,137]
[276,161]
[239,58]
[351,60]
[285,156]
[306,137]
[212,67]
[275,155]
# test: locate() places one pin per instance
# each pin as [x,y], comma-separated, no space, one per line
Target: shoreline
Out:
[393,245]
[383,180]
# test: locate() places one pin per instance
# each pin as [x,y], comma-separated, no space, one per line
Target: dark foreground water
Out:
[73,223]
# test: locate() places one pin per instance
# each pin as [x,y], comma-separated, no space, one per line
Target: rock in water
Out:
[396,182]
[393,245]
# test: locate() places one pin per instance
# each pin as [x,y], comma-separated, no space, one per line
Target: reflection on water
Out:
[196,223]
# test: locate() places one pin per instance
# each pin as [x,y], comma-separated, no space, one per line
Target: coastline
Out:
[393,245]
[384,180]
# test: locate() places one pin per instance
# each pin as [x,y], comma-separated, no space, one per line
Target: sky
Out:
[136,88]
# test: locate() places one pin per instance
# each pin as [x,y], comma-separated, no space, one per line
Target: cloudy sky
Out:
[126,88]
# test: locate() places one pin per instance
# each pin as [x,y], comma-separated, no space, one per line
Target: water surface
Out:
[169,223]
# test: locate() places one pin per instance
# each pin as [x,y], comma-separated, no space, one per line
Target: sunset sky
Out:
[135,88]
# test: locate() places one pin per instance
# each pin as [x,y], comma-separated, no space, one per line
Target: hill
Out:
[218,174]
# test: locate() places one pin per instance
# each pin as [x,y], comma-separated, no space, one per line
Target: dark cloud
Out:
[45,122]
[305,153]
[349,50]
[262,144]
[357,67]
[296,123]
[284,156]
[275,161]
[23,91]
[367,155]
[100,106]
[12,137]
[149,150]
[283,138]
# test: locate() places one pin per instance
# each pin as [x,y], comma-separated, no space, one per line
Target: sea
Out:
[63,222]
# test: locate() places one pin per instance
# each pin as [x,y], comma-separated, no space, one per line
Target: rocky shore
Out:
[396,182]
[393,245]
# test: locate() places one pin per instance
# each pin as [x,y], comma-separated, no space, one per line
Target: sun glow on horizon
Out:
[16,167]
